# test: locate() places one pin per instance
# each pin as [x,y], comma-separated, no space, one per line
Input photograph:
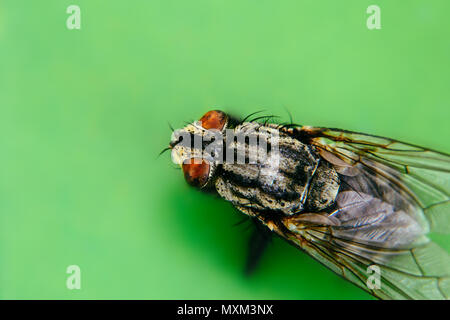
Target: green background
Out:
[83,116]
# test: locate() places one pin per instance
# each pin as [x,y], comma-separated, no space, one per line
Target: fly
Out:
[359,204]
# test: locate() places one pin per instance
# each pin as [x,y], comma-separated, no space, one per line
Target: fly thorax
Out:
[277,179]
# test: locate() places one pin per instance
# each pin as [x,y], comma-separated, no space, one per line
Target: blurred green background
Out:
[83,116]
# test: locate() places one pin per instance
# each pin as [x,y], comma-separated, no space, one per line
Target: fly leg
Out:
[258,242]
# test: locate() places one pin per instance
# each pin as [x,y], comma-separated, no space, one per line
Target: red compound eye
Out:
[196,174]
[214,119]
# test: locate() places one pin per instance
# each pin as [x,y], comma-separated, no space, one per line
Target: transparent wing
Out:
[392,195]
[421,173]
[416,273]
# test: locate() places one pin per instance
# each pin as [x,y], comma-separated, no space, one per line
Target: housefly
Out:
[362,205]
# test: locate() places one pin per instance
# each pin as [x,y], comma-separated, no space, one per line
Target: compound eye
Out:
[196,172]
[214,119]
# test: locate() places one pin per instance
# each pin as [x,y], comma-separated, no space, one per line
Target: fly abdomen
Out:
[323,188]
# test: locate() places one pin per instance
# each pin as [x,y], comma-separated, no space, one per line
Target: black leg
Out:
[260,238]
